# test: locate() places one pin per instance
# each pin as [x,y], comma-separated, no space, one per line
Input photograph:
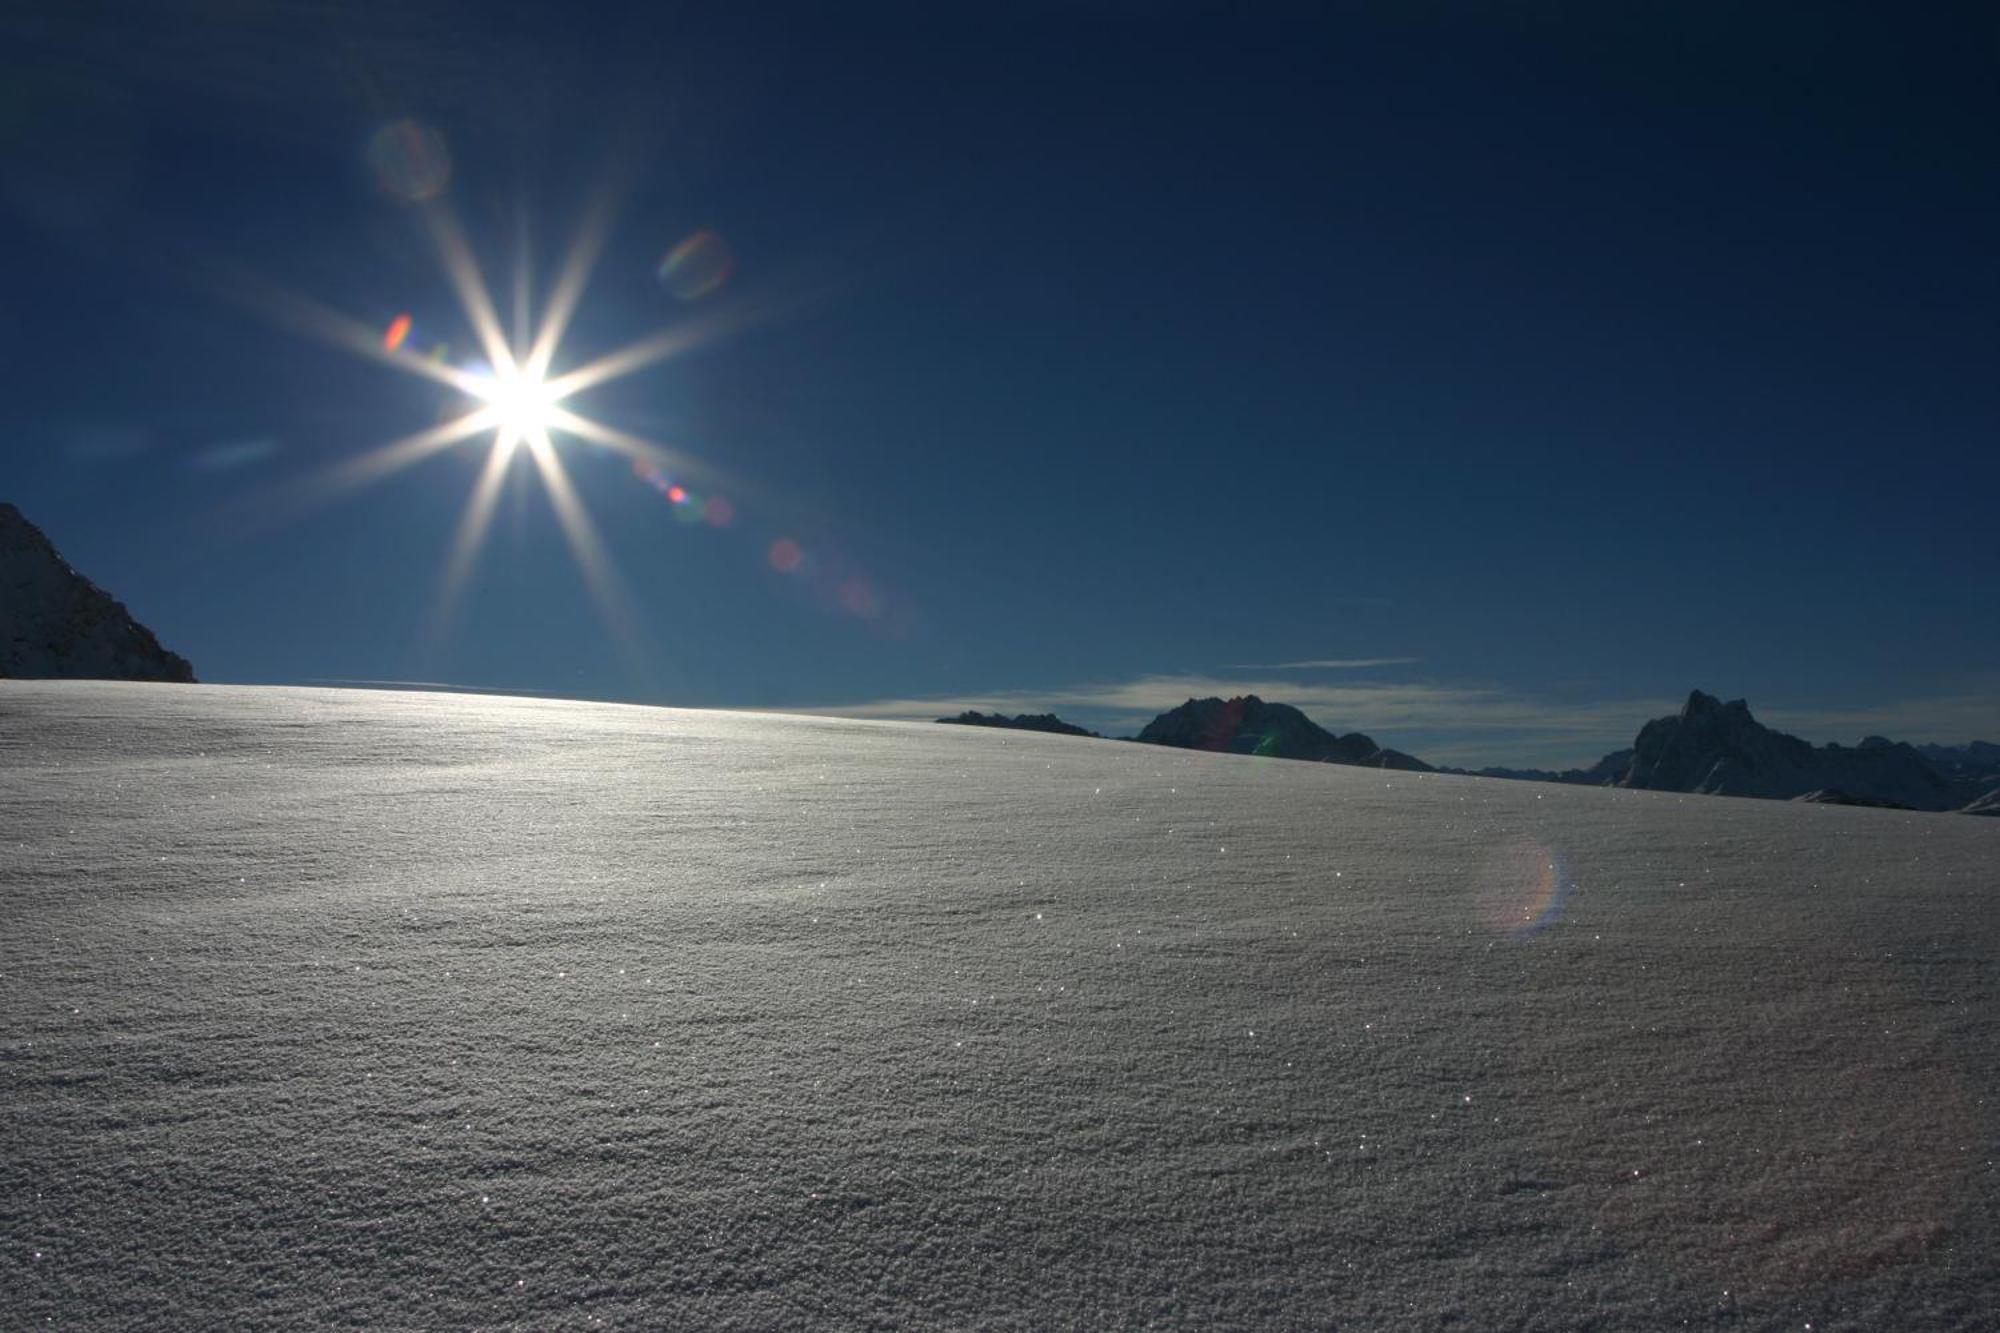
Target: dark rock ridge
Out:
[54,622]
[1248,725]
[1048,722]
[1604,773]
[1974,765]
[1718,748]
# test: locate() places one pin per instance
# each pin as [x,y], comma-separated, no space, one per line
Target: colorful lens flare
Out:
[1521,889]
[858,596]
[785,555]
[409,161]
[697,266]
[398,330]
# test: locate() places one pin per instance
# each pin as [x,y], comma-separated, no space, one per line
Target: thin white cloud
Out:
[1951,719]
[1468,726]
[1327,664]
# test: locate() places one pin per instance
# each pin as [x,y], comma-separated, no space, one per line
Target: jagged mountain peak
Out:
[1720,749]
[1701,706]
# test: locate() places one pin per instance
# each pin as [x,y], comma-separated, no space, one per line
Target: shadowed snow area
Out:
[329,1008]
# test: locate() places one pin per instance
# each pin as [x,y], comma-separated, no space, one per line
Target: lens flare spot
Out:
[398,330]
[409,161]
[717,512]
[785,555]
[677,494]
[697,266]
[1522,888]
[859,597]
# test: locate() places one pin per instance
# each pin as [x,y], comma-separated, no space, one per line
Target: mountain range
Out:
[1719,749]
[1048,722]
[1709,747]
[54,622]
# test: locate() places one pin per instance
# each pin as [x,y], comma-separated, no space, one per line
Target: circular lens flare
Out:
[1522,888]
[410,161]
[697,266]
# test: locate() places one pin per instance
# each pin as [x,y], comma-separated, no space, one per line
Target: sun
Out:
[522,405]
[516,398]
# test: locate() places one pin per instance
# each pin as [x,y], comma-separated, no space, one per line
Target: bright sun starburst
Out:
[517,402]
[521,404]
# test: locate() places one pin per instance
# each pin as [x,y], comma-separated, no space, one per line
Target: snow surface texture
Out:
[56,622]
[333,1008]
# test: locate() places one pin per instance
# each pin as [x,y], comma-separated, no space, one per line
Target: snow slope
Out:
[347,1009]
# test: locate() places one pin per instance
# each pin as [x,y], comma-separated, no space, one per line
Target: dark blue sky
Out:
[1092,354]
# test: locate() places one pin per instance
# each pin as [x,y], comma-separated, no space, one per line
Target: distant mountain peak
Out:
[54,622]
[1047,722]
[1247,724]
[1720,749]
[1700,705]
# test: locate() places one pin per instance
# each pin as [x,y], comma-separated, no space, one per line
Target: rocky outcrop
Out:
[54,622]
[1248,725]
[1048,722]
[1720,749]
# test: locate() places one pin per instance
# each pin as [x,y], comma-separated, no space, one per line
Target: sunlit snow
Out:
[399,1010]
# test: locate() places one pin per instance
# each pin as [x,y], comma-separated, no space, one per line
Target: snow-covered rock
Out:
[1989,804]
[1831,796]
[54,622]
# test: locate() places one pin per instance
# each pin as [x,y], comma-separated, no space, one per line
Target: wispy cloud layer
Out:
[1449,724]
[1327,664]
[1462,725]
[1950,719]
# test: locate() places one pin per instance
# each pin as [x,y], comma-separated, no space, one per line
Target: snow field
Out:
[333,1009]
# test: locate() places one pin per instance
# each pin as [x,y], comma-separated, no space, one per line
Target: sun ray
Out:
[470,538]
[523,279]
[654,348]
[314,319]
[574,275]
[391,458]
[588,548]
[463,270]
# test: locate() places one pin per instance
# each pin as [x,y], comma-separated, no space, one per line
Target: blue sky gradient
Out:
[1548,360]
